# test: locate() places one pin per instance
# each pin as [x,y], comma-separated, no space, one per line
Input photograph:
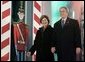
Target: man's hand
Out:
[53,49]
[78,50]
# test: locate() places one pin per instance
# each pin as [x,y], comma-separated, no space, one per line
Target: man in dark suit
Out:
[67,37]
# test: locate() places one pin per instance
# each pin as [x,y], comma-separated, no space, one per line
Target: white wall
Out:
[46,9]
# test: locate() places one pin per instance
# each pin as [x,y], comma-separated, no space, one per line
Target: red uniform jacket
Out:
[17,36]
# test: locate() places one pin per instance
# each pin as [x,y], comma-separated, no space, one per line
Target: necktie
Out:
[62,23]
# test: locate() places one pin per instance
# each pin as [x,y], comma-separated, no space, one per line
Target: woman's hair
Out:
[44,16]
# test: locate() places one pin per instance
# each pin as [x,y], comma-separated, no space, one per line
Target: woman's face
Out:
[44,22]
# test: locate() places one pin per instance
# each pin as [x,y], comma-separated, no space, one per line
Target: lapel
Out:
[67,22]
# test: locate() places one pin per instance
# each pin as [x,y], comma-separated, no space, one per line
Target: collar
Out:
[64,19]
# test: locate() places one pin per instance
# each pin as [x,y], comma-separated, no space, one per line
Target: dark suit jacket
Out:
[43,44]
[67,39]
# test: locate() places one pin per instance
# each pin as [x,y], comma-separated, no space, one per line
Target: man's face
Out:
[63,13]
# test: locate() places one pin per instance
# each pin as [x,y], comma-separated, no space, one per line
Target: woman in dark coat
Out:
[43,41]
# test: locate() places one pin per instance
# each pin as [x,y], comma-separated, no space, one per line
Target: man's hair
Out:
[65,8]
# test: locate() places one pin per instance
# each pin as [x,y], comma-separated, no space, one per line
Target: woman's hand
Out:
[53,49]
[28,54]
